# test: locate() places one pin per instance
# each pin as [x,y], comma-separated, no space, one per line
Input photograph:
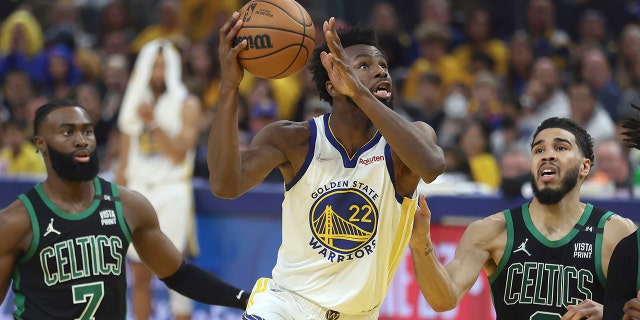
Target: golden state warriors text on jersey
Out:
[343,220]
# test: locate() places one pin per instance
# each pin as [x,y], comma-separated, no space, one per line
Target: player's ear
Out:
[41,146]
[331,89]
[585,167]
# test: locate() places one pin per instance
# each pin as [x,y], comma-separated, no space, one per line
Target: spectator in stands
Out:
[545,38]
[628,54]
[520,64]
[596,72]
[18,157]
[428,106]
[587,112]
[515,174]
[21,46]
[520,248]
[479,39]
[62,72]
[17,90]
[394,41]
[543,98]
[439,12]
[168,27]
[474,141]
[614,168]
[433,40]
[485,103]
[158,122]
[593,32]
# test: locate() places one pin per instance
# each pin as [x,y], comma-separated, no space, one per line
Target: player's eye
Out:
[363,66]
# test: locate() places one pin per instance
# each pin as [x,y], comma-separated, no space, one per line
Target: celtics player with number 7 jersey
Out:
[546,259]
[63,242]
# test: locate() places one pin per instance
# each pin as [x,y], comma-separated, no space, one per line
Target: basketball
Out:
[280,38]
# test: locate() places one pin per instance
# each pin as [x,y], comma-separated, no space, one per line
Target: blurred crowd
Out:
[482,73]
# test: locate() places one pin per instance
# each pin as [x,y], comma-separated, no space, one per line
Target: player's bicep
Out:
[15,228]
[155,250]
[264,154]
[471,256]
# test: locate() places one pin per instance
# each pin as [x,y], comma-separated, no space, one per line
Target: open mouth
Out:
[382,90]
[547,172]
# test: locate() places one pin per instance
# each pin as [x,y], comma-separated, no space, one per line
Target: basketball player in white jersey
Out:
[350,180]
[158,121]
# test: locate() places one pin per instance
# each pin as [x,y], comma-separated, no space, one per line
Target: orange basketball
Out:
[280,38]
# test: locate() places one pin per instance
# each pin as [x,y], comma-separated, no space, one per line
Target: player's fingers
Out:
[226,27]
[325,58]
[233,32]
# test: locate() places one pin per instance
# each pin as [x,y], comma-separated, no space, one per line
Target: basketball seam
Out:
[303,23]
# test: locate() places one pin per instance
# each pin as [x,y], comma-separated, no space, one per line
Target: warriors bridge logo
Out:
[343,222]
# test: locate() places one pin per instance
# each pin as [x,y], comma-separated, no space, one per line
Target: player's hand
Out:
[145,112]
[632,309]
[341,75]
[421,225]
[230,70]
[587,309]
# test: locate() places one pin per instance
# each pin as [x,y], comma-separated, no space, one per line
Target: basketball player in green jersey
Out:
[63,243]
[546,259]
[622,296]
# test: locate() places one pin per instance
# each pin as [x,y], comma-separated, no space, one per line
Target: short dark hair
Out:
[583,138]
[348,37]
[47,108]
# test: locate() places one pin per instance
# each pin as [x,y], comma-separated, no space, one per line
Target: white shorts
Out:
[174,205]
[269,301]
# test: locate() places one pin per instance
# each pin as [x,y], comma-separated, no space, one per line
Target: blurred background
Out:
[483,74]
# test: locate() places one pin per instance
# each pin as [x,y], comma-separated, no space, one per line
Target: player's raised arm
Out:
[444,286]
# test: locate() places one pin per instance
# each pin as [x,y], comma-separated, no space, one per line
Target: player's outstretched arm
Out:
[159,254]
[15,228]
[443,287]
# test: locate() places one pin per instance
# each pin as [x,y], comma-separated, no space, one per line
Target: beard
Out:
[549,195]
[69,169]
[386,102]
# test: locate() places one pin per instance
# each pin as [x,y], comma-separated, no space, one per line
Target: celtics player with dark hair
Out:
[622,296]
[63,242]
[546,259]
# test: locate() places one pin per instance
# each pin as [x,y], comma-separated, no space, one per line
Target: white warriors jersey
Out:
[344,228]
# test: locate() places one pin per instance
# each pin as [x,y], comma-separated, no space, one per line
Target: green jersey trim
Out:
[507,248]
[554,243]
[598,249]
[120,214]
[71,216]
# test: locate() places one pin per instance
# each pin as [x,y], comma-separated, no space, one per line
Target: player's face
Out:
[556,165]
[157,80]
[371,68]
[69,144]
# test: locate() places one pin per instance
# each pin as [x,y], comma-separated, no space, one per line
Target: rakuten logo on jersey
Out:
[371,160]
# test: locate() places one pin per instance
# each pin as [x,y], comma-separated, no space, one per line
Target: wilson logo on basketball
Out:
[371,160]
[260,41]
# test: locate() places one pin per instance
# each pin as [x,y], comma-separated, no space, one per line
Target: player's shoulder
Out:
[285,132]
[619,224]
[15,215]
[489,226]
[132,199]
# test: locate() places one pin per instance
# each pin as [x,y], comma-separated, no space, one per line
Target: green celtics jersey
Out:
[75,266]
[537,278]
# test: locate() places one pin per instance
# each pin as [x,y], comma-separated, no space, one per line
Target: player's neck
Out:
[556,220]
[69,195]
[351,130]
